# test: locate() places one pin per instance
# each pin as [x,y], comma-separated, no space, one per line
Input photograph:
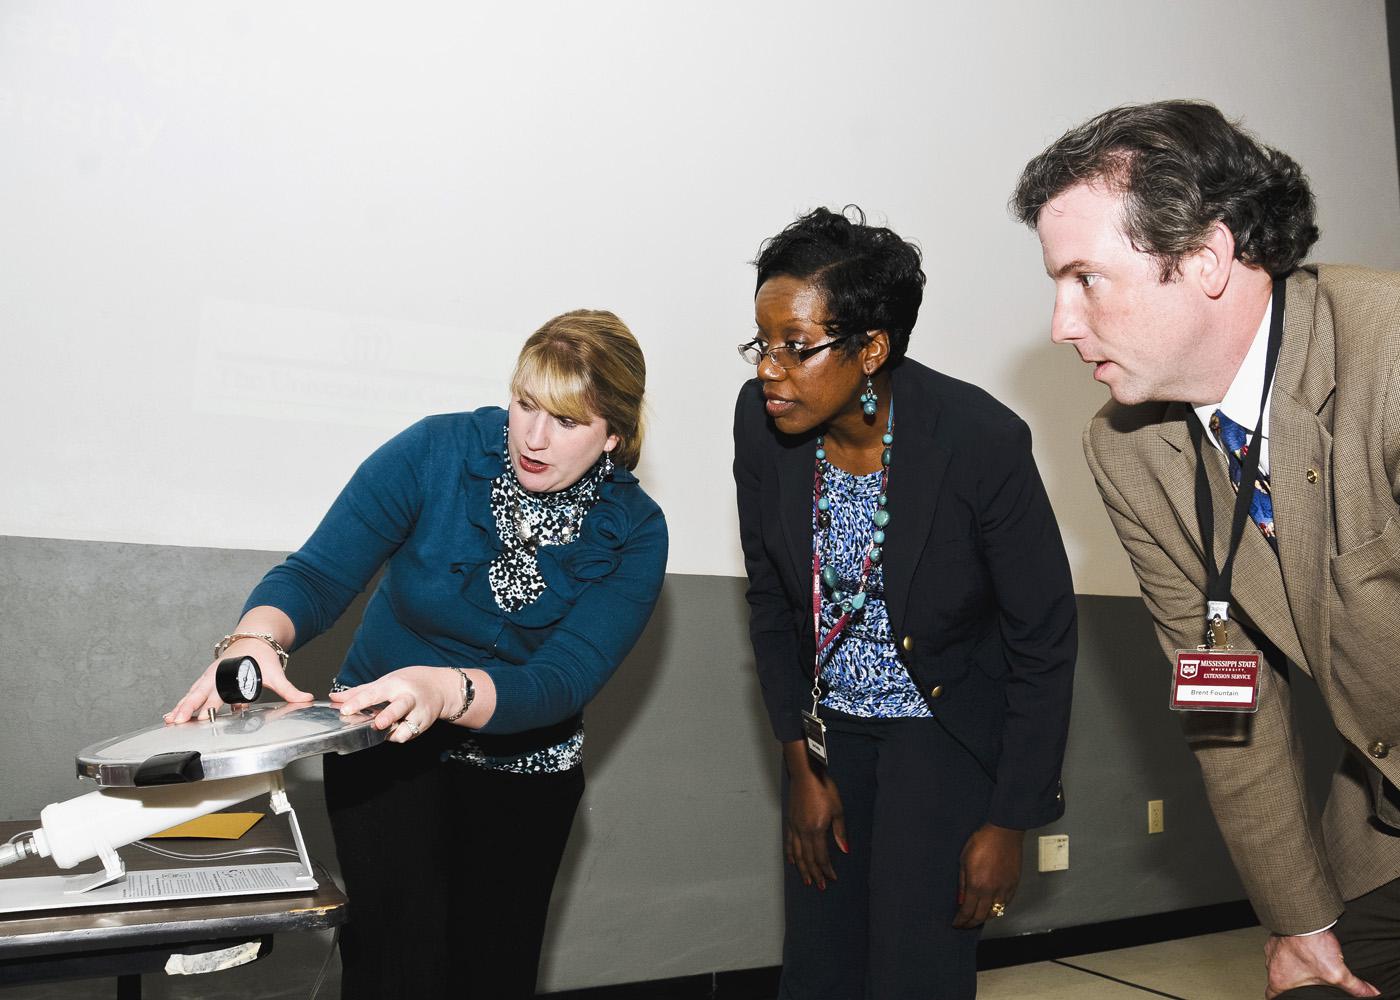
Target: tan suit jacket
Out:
[1329,602]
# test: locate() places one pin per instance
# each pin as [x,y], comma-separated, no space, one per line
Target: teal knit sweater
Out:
[422,503]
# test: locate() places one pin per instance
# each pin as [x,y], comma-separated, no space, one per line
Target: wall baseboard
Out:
[996,953]
[992,953]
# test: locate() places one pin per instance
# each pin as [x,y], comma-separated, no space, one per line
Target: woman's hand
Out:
[813,810]
[201,696]
[413,697]
[990,871]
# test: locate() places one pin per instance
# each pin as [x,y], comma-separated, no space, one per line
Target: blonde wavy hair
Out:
[586,364]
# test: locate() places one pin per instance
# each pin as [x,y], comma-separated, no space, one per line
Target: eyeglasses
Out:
[785,358]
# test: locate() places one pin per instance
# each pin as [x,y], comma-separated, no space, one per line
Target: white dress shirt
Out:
[1241,402]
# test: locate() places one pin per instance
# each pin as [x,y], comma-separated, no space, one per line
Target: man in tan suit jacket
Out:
[1164,228]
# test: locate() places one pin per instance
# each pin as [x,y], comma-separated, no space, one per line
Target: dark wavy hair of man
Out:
[1181,166]
[871,279]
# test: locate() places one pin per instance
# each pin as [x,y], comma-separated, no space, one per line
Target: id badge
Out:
[814,731]
[1216,680]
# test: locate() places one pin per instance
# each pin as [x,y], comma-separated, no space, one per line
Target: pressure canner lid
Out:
[251,740]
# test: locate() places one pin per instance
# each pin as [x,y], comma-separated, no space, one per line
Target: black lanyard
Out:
[1218,578]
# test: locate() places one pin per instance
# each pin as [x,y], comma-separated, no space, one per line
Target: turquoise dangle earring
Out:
[868,399]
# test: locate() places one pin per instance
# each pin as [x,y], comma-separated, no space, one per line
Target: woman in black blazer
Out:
[934,736]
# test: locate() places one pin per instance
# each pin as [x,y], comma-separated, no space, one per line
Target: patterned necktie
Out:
[1232,438]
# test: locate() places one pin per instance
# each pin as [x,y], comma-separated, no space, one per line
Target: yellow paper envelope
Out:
[215,826]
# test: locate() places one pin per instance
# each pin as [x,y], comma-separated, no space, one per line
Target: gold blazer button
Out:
[908,644]
[1380,750]
[937,691]
[1312,475]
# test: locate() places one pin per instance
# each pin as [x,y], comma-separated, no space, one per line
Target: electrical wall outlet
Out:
[1054,853]
[1155,822]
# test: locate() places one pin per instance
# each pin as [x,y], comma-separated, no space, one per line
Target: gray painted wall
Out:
[674,865]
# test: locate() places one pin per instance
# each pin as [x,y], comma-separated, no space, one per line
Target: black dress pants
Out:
[883,929]
[449,870]
[1369,932]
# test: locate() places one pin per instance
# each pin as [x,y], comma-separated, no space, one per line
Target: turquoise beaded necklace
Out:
[826,576]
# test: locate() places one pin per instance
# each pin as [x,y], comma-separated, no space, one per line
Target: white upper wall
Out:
[243,244]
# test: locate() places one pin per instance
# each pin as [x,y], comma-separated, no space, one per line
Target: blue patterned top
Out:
[861,671]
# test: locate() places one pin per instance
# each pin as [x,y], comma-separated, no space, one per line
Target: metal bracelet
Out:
[468,695]
[233,637]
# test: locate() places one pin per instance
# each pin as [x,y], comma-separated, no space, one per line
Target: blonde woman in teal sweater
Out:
[522,561]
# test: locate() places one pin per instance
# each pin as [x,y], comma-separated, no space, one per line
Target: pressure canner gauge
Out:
[238,680]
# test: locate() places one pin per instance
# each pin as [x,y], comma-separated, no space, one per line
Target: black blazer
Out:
[976,580]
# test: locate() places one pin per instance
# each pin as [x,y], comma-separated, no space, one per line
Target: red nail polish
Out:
[821,886]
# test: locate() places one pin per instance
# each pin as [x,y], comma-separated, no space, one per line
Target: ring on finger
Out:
[413,728]
[998,909]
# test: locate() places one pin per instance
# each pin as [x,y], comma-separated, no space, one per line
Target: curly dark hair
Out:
[1181,166]
[871,279]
